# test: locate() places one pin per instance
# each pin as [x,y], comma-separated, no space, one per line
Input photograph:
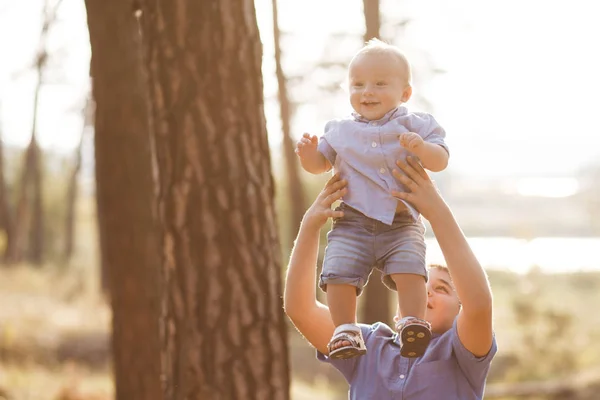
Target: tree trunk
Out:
[33,238]
[24,237]
[6,217]
[14,253]
[295,192]
[376,302]
[125,198]
[372,19]
[223,329]
[36,238]
[73,185]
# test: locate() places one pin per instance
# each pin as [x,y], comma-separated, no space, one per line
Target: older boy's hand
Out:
[411,141]
[422,192]
[320,210]
[307,145]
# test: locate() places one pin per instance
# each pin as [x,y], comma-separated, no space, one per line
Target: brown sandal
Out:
[350,333]
[415,335]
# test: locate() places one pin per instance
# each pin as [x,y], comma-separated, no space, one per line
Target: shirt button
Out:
[374,144]
[382,170]
[374,123]
[402,376]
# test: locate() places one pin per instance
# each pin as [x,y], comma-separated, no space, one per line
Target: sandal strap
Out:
[347,328]
[347,332]
[413,321]
[344,337]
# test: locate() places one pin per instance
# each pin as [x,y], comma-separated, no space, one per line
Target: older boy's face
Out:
[377,85]
[442,301]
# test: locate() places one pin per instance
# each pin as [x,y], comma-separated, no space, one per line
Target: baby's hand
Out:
[307,145]
[411,141]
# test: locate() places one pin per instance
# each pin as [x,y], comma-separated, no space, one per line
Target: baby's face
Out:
[377,85]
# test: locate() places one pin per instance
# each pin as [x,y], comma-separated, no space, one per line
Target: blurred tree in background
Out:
[29,218]
[295,198]
[129,252]
[7,223]
[73,183]
[31,211]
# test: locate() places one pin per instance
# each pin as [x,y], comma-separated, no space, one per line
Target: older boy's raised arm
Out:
[474,322]
[475,317]
[311,317]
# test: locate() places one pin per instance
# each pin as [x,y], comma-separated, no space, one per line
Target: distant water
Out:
[551,254]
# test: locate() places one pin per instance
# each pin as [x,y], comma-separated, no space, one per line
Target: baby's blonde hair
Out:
[376,46]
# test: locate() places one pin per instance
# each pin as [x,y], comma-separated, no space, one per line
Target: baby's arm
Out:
[432,155]
[311,159]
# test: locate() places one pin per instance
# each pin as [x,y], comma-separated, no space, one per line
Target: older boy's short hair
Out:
[444,268]
[440,267]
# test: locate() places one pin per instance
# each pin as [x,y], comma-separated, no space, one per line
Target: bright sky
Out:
[519,93]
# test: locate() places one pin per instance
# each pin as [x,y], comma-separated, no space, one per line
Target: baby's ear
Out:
[406,93]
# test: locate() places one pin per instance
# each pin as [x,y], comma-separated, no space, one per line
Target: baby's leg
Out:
[404,270]
[347,263]
[347,340]
[412,294]
[341,300]
[403,260]
[348,260]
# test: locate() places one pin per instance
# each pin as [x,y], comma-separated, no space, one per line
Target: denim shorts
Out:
[356,244]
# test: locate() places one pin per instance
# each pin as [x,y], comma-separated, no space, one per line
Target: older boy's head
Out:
[443,303]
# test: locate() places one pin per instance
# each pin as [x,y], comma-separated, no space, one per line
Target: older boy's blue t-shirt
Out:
[446,371]
[365,153]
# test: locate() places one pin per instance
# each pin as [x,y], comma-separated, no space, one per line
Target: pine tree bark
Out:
[223,329]
[376,297]
[294,184]
[125,198]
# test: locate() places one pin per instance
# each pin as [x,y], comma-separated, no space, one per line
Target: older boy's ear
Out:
[406,93]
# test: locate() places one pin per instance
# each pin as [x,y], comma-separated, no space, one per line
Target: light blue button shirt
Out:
[446,371]
[365,152]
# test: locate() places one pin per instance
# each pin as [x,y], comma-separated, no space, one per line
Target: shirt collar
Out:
[393,113]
